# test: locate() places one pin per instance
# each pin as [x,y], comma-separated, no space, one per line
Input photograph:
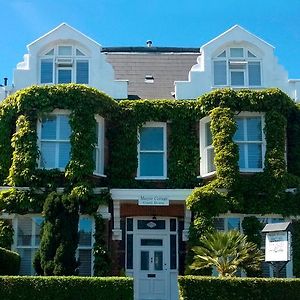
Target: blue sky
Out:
[189,23]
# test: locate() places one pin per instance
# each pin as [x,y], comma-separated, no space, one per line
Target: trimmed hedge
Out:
[212,288]
[9,262]
[65,288]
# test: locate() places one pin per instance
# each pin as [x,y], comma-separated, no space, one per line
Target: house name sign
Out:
[153,200]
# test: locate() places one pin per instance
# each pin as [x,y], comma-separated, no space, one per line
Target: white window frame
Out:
[203,148]
[245,115]
[33,247]
[161,125]
[237,60]
[73,58]
[99,147]
[56,112]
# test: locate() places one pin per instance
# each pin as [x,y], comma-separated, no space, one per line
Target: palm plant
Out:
[226,251]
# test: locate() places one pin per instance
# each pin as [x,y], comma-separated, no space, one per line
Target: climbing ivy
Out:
[227,190]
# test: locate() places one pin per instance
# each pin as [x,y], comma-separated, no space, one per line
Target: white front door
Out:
[152,258]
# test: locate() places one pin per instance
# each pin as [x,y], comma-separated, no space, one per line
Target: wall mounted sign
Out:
[153,200]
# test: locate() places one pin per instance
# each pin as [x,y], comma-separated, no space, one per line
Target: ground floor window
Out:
[27,241]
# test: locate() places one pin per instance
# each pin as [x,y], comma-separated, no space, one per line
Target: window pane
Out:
[208,134]
[64,129]
[152,138]
[48,154]
[242,162]
[63,154]
[79,53]
[236,52]
[48,128]
[26,261]
[254,74]
[37,222]
[151,242]
[254,129]
[233,224]
[254,156]
[220,73]
[129,251]
[158,260]
[85,232]
[64,76]
[250,54]
[210,160]
[85,262]
[24,231]
[219,224]
[173,251]
[46,71]
[237,78]
[239,134]
[65,50]
[223,54]
[151,164]
[82,72]
[144,260]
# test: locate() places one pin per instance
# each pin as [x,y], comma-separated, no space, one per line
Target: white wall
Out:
[200,78]
[101,72]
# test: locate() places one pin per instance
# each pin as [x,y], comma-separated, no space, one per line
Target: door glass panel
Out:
[129,251]
[151,224]
[173,251]
[158,260]
[151,242]
[172,224]
[144,260]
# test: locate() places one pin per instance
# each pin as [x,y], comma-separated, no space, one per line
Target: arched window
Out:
[237,67]
[64,64]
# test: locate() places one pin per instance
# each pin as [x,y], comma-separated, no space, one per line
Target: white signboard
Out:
[278,246]
[154,201]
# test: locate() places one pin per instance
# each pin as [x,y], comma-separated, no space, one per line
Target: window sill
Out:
[251,170]
[99,175]
[207,175]
[151,178]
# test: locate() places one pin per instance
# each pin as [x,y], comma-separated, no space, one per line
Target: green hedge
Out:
[9,262]
[65,288]
[212,288]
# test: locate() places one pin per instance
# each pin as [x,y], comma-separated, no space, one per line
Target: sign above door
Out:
[153,200]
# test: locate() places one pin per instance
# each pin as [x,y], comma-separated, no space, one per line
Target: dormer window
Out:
[64,64]
[237,67]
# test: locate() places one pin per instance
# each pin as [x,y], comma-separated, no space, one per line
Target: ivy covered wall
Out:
[227,190]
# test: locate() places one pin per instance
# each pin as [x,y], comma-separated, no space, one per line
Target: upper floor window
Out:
[237,67]
[54,141]
[55,144]
[64,64]
[249,137]
[152,151]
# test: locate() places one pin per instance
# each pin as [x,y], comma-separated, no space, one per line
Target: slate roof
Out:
[139,64]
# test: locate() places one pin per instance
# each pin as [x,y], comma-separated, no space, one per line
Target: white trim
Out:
[99,147]
[164,151]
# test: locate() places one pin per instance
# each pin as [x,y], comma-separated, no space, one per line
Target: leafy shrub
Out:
[212,288]
[66,288]
[6,234]
[9,262]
